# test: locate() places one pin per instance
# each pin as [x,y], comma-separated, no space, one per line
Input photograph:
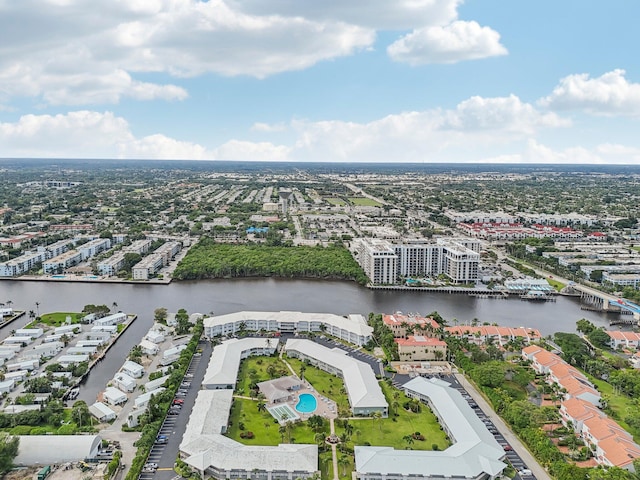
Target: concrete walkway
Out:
[334,451]
[514,441]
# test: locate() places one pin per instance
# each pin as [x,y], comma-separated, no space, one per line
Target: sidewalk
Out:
[514,441]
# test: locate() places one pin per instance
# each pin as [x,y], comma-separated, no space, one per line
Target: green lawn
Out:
[264,426]
[326,384]
[618,403]
[556,284]
[256,369]
[338,202]
[55,319]
[364,202]
[390,431]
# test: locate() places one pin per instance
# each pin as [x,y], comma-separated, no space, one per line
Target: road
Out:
[519,457]
[174,425]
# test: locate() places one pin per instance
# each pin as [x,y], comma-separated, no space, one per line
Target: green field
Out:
[328,385]
[364,202]
[256,370]
[55,319]
[338,202]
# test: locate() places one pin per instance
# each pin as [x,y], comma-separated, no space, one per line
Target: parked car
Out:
[162,439]
[178,401]
[150,465]
[507,448]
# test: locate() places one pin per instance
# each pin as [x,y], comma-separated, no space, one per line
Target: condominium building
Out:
[21,264]
[139,246]
[60,263]
[112,265]
[420,348]
[94,247]
[457,258]
[378,260]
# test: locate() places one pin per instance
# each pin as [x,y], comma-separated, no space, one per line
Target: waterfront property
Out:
[499,335]
[363,390]
[420,348]
[475,454]
[352,329]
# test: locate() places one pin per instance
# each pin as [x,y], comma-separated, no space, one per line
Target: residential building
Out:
[401,325]
[112,265]
[94,247]
[491,333]
[421,348]
[22,264]
[622,339]
[474,453]
[378,260]
[206,449]
[222,371]
[63,261]
[139,246]
[363,390]
[352,328]
[611,445]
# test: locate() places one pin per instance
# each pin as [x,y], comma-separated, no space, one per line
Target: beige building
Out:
[400,325]
[419,348]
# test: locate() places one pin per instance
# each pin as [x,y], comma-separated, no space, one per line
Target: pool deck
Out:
[326,408]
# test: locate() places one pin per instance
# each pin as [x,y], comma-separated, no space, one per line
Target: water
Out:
[307,403]
[227,296]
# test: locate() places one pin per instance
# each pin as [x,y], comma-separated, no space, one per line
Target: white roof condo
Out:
[474,453]
[363,389]
[353,328]
[222,371]
[205,446]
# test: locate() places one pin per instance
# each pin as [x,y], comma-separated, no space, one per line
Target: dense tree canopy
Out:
[216,260]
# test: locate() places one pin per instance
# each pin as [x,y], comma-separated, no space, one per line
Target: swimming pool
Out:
[58,276]
[307,403]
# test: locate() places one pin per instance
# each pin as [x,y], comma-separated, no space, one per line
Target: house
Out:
[67,360]
[22,341]
[82,350]
[29,365]
[400,324]
[17,376]
[114,319]
[143,400]
[112,329]
[154,384]
[49,349]
[630,340]
[149,348]
[420,348]
[134,415]
[124,382]
[7,385]
[102,412]
[6,312]
[29,332]
[155,336]
[68,330]
[114,396]
[132,369]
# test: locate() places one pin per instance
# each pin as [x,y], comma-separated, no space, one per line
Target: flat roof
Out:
[360,381]
[355,323]
[475,449]
[225,359]
[206,446]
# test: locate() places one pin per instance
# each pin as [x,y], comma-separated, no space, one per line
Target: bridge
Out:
[604,301]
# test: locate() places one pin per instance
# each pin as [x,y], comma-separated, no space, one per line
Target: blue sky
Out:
[337,80]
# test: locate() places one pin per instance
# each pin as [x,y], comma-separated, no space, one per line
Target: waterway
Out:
[227,296]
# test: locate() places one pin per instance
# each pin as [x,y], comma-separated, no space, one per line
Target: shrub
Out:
[248,435]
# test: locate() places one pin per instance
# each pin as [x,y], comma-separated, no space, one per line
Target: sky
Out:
[424,81]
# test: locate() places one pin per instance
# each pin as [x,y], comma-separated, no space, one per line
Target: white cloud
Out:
[376,14]
[457,41]
[509,114]
[477,128]
[609,94]
[77,52]
[77,134]
[268,127]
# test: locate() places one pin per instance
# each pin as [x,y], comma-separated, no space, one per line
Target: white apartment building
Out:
[21,264]
[139,246]
[60,263]
[112,265]
[147,267]
[57,248]
[94,247]
[378,260]
[458,258]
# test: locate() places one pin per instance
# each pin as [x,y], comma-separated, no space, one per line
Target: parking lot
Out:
[159,465]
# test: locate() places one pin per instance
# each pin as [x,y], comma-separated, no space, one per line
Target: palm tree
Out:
[114,305]
[303,369]
[377,416]
[262,406]
[408,439]
[38,309]
[344,462]
[9,303]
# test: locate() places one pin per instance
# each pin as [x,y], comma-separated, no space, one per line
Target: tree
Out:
[80,412]
[262,406]
[408,439]
[599,338]
[343,461]
[585,326]
[8,451]
[160,315]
